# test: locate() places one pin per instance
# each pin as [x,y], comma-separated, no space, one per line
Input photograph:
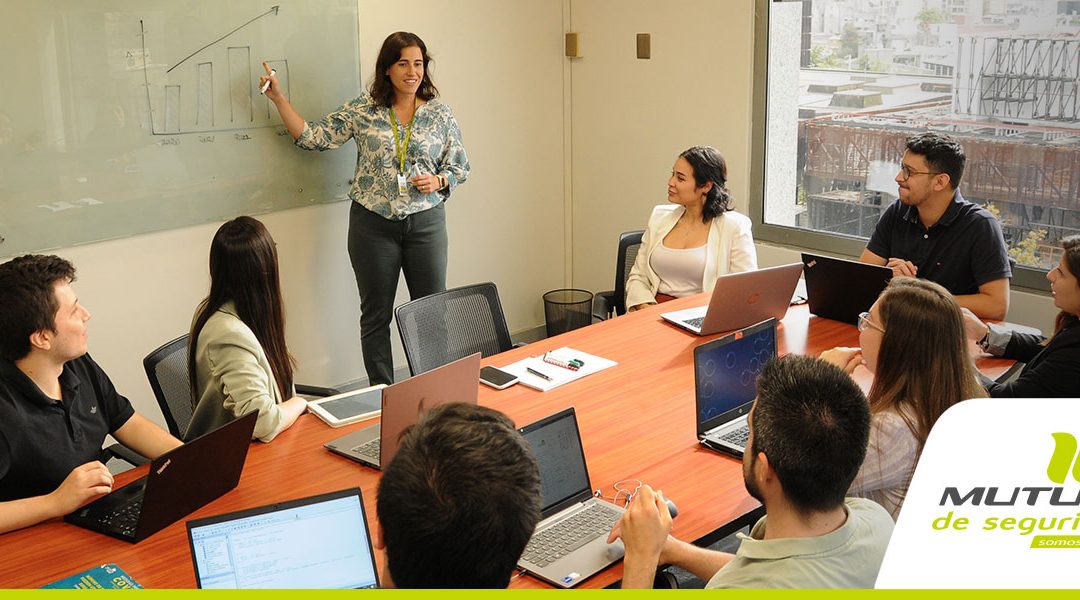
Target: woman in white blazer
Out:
[694,240]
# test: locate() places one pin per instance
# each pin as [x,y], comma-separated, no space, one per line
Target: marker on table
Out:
[538,374]
[266,85]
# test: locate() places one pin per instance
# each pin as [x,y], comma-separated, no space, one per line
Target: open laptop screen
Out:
[557,445]
[317,542]
[726,372]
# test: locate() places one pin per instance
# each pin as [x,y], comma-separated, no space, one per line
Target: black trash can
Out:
[568,309]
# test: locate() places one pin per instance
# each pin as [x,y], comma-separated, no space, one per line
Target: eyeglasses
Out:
[865,323]
[906,172]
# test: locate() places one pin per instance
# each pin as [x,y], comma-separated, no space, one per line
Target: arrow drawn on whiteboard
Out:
[273,11]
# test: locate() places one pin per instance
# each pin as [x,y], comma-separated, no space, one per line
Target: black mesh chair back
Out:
[443,327]
[613,302]
[167,370]
[629,244]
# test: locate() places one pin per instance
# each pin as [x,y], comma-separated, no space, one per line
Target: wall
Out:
[499,65]
[631,118]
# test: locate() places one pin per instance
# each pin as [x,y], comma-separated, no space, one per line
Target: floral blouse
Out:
[434,147]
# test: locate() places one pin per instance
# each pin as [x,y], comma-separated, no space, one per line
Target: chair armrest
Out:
[314,390]
[604,305]
[122,452]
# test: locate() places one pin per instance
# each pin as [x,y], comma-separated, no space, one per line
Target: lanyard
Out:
[401,148]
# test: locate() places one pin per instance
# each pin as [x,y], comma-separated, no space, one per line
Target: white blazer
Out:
[729,249]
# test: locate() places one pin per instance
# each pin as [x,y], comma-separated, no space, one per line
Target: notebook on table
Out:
[402,405]
[741,299]
[725,385]
[570,542]
[318,542]
[179,482]
[840,289]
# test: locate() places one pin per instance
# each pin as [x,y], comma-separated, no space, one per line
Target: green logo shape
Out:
[1064,457]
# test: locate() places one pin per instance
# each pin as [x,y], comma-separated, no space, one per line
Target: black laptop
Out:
[179,482]
[840,289]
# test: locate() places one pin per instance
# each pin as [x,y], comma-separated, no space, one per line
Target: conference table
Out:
[636,419]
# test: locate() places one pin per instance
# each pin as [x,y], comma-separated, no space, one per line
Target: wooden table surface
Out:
[636,420]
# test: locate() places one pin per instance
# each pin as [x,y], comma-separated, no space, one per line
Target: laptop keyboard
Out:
[570,534]
[696,322]
[370,449]
[737,437]
[123,518]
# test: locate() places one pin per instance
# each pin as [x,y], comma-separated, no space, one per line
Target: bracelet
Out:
[443,181]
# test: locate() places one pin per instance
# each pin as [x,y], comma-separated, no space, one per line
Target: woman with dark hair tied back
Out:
[237,358]
[1052,367]
[694,240]
[410,158]
[912,340]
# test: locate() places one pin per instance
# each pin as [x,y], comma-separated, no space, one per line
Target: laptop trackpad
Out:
[585,561]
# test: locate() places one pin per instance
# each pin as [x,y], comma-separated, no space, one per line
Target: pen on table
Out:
[538,373]
[266,85]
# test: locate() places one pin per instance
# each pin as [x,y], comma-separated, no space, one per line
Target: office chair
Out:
[443,327]
[167,370]
[613,302]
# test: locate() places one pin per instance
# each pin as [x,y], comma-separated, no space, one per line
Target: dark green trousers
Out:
[380,249]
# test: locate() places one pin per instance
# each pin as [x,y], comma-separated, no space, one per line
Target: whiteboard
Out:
[128,116]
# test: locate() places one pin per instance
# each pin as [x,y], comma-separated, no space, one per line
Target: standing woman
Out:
[410,158]
[237,358]
[694,240]
[912,340]
[1052,367]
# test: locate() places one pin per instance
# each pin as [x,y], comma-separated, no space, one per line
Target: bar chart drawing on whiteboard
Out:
[214,88]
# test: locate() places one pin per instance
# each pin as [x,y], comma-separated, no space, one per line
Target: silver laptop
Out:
[570,542]
[742,299]
[402,405]
[319,542]
[725,377]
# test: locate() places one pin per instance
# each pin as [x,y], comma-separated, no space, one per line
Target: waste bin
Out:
[567,309]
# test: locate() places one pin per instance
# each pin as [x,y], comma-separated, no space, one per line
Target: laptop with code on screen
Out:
[318,542]
[725,385]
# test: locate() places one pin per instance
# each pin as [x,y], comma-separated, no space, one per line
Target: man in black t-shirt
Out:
[933,233]
[56,404]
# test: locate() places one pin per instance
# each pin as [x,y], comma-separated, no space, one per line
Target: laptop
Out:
[179,482]
[319,542]
[725,384]
[402,405]
[741,299]
[570,542]
[840,289]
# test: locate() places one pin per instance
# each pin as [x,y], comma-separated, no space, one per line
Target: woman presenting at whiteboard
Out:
[410,158]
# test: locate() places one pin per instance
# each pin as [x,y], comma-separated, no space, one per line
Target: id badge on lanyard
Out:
[401,148]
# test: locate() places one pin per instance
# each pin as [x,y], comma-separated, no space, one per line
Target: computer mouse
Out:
[671,508]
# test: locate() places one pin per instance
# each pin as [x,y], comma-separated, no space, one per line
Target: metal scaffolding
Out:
[1019,78]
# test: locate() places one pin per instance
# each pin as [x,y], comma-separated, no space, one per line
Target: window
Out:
[840,84]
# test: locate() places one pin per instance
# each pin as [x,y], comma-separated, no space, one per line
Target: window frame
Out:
[1024,277]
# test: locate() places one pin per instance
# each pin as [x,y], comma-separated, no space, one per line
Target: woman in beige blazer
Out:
[694,240]
[237,358]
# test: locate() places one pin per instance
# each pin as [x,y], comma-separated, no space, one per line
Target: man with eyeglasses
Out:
[933,233]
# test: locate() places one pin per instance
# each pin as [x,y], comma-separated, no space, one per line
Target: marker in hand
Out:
[269,73]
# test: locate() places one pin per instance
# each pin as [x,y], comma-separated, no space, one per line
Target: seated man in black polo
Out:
[933,233]
[459,502]
[56,404]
